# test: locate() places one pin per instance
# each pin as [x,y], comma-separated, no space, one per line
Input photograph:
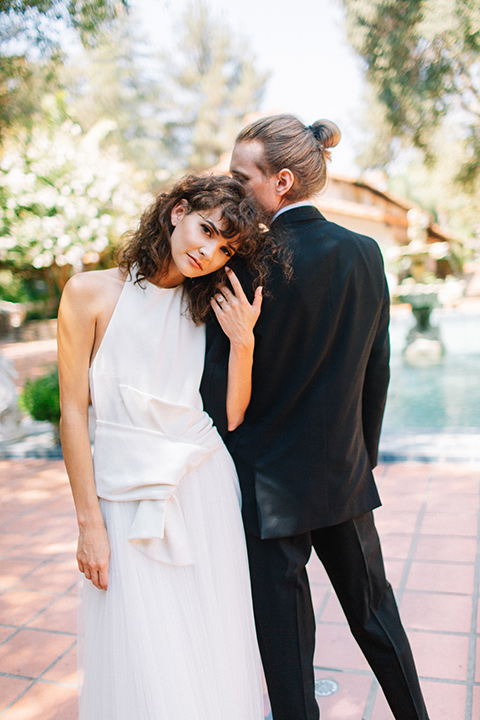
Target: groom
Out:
[305,450]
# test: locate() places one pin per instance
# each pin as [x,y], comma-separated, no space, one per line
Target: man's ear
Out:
[178,211]
[284,182]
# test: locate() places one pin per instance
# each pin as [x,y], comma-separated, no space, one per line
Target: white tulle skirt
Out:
[174,643]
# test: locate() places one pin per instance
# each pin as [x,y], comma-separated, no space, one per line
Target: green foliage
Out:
[41,398]
[31,52]
[422,59]
[38,23]
[422,62]
[64,200]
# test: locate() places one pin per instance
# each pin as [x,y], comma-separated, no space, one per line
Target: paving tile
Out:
[18,607]
[13,570]
[403,501]
[11,688]
[476,703]
[333,611]
[441,577]
[28,523]
[56,576]
[407,470]
[73,590]
[455,479]
[436,611]
[395,545]
[65,669]
[319,595]
[6,632]
[11,471]
[348,703]
[451,503]
[439,655]
[444,701]
[9,519]
[399,522]
[32,548]
[445,548]
[45,701]
[21,499]
[9,540]
[61,615]
[477,660]
[337,649]
[316,572]
[394,571]
[447,523]
[30,652]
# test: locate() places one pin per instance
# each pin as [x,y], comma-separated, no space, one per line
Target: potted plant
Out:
[41,399]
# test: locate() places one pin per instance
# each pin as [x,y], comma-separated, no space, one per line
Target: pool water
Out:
[438,398]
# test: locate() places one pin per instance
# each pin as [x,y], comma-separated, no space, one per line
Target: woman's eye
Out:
[207,230]
[227,251]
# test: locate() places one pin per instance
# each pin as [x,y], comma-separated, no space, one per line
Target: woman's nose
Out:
[207,250]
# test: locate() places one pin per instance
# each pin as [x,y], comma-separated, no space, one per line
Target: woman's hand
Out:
[93,554]
[237,317]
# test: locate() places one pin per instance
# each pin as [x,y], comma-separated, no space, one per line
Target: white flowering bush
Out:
[64,199]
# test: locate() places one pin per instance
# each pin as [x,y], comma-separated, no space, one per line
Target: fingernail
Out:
[227,269]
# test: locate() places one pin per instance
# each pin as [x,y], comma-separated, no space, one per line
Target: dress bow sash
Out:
[145,459]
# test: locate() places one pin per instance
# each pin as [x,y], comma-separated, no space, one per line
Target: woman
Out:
[166,624]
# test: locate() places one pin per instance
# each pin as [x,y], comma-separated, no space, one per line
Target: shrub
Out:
[41,399]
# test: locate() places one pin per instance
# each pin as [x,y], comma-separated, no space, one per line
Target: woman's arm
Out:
[237,319]
[76,336]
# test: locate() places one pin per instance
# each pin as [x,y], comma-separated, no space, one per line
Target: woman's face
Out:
[197,246]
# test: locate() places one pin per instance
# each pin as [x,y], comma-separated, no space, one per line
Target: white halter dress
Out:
[173,636]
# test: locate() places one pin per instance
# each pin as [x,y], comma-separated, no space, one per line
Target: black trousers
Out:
[352,557]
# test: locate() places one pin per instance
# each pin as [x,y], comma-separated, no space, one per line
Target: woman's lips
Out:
[196,263]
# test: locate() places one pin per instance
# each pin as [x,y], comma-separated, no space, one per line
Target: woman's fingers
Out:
[98,575]
[257,300]
[218,299]
[93,555]
[103,579]
[216,307]
[236,284]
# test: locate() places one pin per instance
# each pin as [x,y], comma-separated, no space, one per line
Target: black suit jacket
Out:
[309,441]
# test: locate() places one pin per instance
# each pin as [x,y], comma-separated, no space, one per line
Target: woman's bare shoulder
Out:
[88,286]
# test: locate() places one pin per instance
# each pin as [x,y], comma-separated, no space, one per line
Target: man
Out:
[309,441]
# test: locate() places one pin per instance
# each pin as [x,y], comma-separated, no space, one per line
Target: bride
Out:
[166,626]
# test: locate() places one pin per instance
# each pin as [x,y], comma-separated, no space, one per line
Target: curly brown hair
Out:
[148,247]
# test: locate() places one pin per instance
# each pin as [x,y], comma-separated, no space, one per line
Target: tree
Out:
[173,112]
[213,84]
[110,80]
[423,65]
[31,34]
[64,200]
[39,23]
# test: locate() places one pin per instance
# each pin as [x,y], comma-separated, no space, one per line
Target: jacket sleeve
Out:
[377,376]
[213,387]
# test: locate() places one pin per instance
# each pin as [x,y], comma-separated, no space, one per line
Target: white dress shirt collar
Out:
[302,203]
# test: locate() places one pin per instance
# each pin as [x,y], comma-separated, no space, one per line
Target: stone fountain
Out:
[423,291]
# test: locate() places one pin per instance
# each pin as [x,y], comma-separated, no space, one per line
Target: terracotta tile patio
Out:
[430,530]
